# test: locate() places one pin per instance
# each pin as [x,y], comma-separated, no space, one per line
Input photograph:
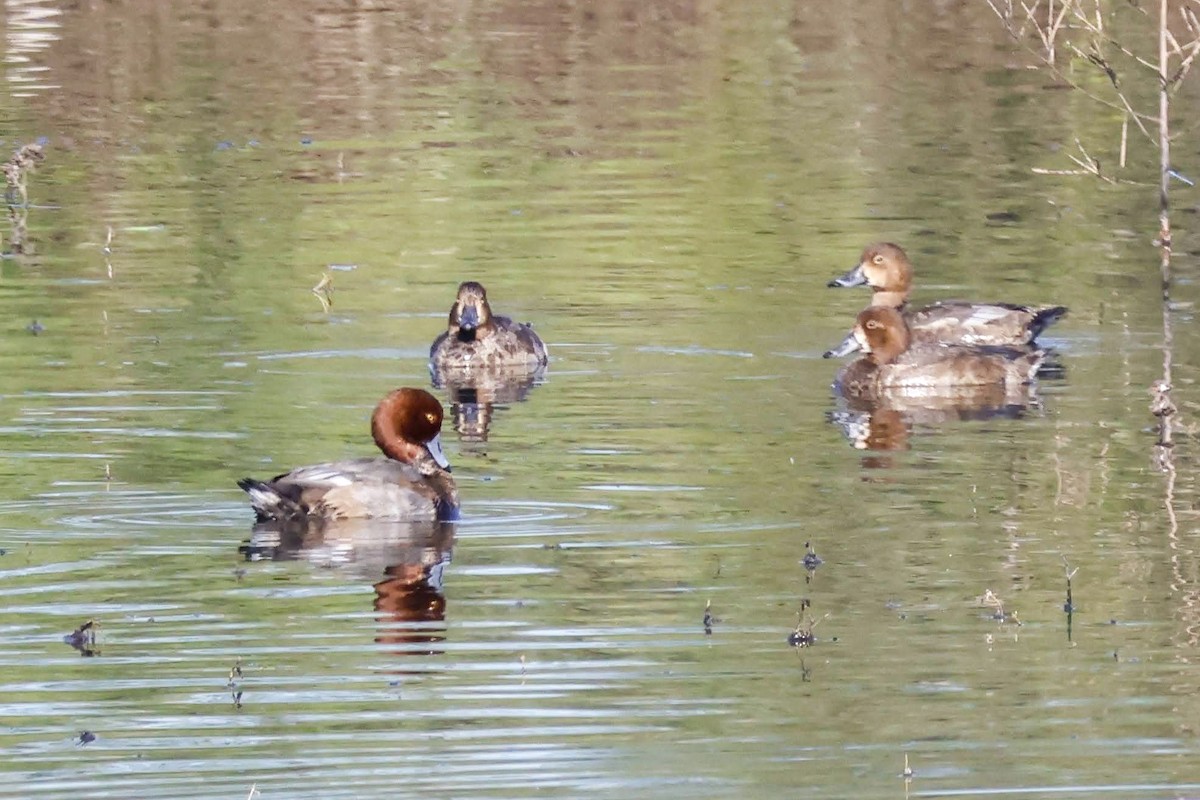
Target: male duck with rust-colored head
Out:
[411,481]
[890,364]
[886,269]
[477,338]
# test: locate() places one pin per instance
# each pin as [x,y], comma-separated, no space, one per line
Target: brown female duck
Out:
[886,269]
[477,338]
[411,481]
[890,364]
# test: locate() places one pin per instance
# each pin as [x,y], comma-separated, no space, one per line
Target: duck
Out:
[893,365]
[477,338]
[885,267]
[410,482]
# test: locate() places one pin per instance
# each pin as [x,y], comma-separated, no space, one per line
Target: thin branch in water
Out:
[1124,141]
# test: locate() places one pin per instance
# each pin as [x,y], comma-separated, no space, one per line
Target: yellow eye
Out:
[432,418]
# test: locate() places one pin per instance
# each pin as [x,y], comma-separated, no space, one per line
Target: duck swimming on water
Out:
[886,269]
[893,364]
[411,481]
[477,338]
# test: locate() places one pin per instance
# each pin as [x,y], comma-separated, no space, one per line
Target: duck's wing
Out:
[948,368]
[967,323]
[524,339]
[363,487]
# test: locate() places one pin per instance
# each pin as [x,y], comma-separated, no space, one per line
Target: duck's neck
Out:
[396,448]
[385,430]
[886,352]
[888,299]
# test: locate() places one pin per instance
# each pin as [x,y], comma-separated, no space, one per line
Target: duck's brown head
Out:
[407,425]
[881,333]
[470,316]
[885,268]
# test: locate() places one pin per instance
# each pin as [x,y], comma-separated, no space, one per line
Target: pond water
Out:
[663,188]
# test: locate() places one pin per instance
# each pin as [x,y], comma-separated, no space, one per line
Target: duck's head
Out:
[407,425]
[881,334]
[470,312]
[883,266]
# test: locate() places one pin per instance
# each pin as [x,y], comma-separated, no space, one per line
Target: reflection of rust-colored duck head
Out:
[404,562]
[410,607]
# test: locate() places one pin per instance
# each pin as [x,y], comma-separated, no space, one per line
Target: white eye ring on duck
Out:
[878,259]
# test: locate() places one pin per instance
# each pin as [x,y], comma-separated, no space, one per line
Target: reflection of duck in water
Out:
[483,359]
[405,562]
[886,269]
[411,481]
[473,395]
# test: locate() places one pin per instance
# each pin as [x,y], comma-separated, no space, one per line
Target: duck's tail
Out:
[1043,318]
[268,503]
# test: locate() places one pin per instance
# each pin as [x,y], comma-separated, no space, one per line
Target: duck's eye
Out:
[872,324]
[432,418]
[877,259]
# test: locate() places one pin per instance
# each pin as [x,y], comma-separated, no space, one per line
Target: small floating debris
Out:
[1005,217]
[85,737]
[803,635]
[343,267]
[233,684]
[708,618]
[35,328]
[83,638]
[811,560]
[908,772]
[992,600]
[324,291]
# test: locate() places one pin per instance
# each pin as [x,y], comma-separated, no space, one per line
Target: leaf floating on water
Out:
[324,291]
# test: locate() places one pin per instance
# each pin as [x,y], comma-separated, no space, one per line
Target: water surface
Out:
[663,189]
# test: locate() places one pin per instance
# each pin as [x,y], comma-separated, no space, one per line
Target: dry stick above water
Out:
[1081,28]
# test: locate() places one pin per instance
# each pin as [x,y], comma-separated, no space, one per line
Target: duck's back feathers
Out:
[939,367]
[502,343]
[992,324]
[379,488]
